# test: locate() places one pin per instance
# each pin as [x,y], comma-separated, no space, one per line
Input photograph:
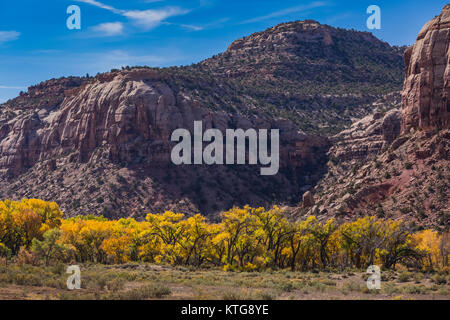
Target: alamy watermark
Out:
[74,281]
[374,280]
[374,20]
[74,20]
[235,147]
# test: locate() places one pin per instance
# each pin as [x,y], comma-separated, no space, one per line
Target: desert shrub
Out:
[59,268]
[115,285]
[55,283]
[439,279]
[418,277]
[415,289]
[232,296]
[391,288]
[287,287]
[5,253]
[26,257]
[146,292]
[353,286]
[95,281]
[267,296]
[404,276]
[25,279]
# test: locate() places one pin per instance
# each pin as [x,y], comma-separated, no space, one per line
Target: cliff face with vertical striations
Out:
[426,95]
[104,147]
[398,167]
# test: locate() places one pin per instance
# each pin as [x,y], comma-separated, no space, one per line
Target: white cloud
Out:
[211,25]
[192,27]
[146,19]
[101,5]
[149,19]
[6,36]
[109,29]
[287,11]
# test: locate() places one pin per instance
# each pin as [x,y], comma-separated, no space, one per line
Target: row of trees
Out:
[245,239]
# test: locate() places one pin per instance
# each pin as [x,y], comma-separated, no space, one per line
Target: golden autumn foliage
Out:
[435,249]
[245,239]
[22,221]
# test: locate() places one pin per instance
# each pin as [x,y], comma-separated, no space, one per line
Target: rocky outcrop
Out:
[376,169]
[391,126]
[47,94]
[366,138]
[131,117]
[426,95]
[308,200]
[125,120]
[313,72]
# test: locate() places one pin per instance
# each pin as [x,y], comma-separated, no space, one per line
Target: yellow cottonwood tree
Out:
[428,242]
[245,239]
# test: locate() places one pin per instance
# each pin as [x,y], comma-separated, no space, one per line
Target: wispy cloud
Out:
[284,12]
[149,19]
[9,87]
[76,63]
[210,25]
[101,5]
[192,27]
[109,29]
[146,19]
[6,36]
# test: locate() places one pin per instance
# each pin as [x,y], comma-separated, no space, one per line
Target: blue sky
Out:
[36,45]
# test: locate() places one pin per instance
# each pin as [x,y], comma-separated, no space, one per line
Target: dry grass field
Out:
[146,281]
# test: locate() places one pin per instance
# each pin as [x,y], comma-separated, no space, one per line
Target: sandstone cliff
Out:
[367,137]
[106,144]
[426,95]
[396,168]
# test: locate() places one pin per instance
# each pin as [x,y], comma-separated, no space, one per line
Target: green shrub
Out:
[23,279]
[415,290]
[404,277]
[439,279]
[267,296]
[116,284]
[418,277]
[353,286]
[146,292]
[287,287]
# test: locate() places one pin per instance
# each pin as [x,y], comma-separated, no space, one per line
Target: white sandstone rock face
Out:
[426,103]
